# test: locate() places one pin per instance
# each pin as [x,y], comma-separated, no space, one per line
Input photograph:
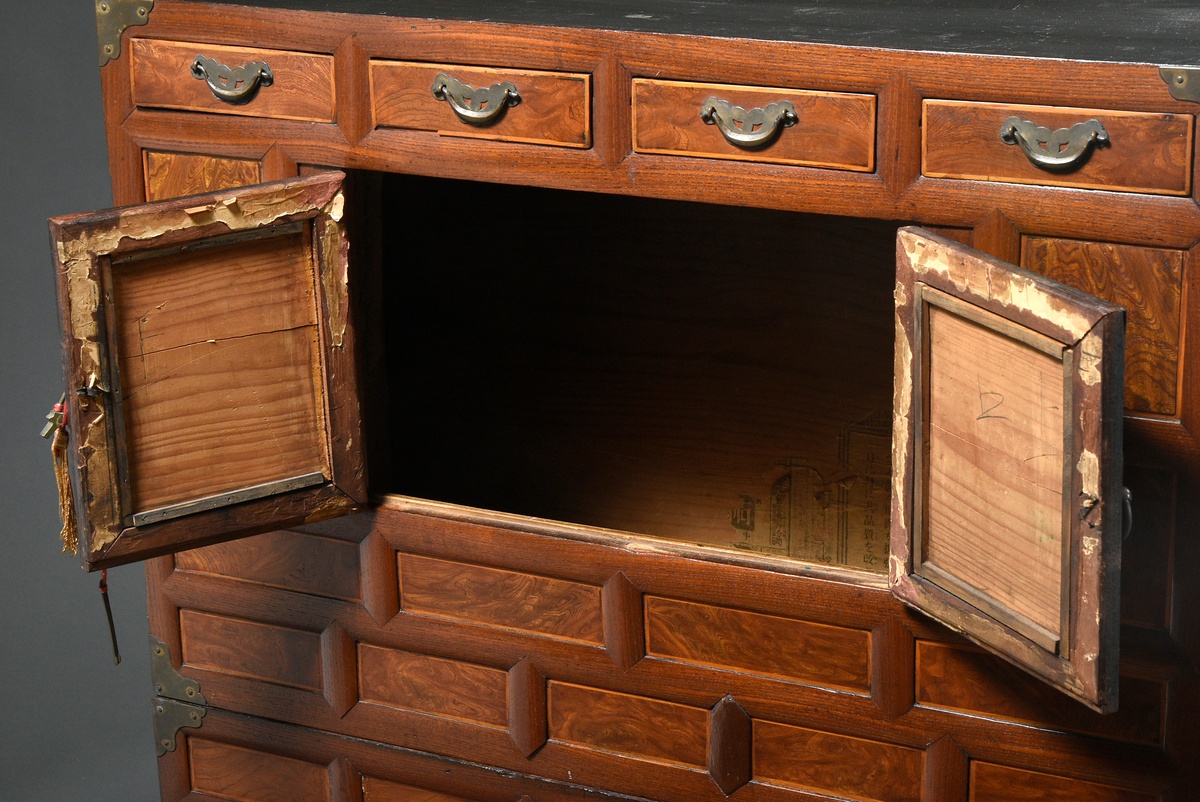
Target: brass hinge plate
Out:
[112,18]
[177,701]
[1182,82]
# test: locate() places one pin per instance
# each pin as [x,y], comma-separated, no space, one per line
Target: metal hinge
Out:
[112,18]
[178,702]
[1182,82]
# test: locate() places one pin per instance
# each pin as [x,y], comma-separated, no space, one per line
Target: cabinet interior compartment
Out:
[707,374]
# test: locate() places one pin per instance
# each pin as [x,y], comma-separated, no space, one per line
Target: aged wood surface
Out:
[302,88]
[231,772]
[554,108]
[994,511]
[1146,152]
[835,130]
[216,354]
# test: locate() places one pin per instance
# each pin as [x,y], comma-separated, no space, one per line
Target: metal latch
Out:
[177,702]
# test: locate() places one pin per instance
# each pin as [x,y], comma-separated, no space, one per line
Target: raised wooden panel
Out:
[296,561]
[967,680]
[302,88]
[1146,152]
[249,649]
[376,790]
[218,385]
[643,728]
[248,775]
[992,783]
[832,129]
[505,599]
[1148,282]
[554,107]
[836,764]
[418,682]
[171,175]
[760,644]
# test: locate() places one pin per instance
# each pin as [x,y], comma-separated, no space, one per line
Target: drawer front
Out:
[553,108]
[831,129]
[300,88]
[1145,152]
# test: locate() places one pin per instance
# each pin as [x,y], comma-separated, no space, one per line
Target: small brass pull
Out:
[1055,151]
[234,85]
[1126,512]
[752,128]
[482,106]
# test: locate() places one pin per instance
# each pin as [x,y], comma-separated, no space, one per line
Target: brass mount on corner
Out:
[112,18]
[1182,82]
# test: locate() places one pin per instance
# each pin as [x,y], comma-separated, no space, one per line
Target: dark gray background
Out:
[72,725]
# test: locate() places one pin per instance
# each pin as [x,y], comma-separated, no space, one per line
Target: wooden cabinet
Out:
[632,367]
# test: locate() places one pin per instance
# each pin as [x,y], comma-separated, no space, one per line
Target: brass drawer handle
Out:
[234,85]
[481,106]
[752,128]
[1056,151]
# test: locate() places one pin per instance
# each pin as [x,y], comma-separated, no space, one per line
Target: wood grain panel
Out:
[248,649]
[497,598]
[1148,282]
[248,775]
[996,467]
[993,783]
[172,175]
[302,88]
[298,561]
[376,790]
[836,764]
[965,679]
[555,107]
[1147,152]
[447,688]
[833,129]
[218,352]
[647,729]
[760,644]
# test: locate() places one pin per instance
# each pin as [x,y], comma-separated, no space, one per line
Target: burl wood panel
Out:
[798,651]
[448,688]
[172,175]
[302,88]
[296,561]
[992,783]
[275,654]
[555,107]
[833,129]
[248,775]
[1148,282]
[506,599]
[965,679]
[836,764]
[1147,152]
[376,790]
[993,513]
[217,349]
[638,726]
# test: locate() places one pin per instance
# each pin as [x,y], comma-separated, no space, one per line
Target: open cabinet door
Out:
[211,373]
[1007,499]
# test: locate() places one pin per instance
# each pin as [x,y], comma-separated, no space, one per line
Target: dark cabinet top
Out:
[1155,31]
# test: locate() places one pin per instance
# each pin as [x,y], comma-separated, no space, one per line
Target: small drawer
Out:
[826,129]
[1137,151]
[299,86]
[547,108]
